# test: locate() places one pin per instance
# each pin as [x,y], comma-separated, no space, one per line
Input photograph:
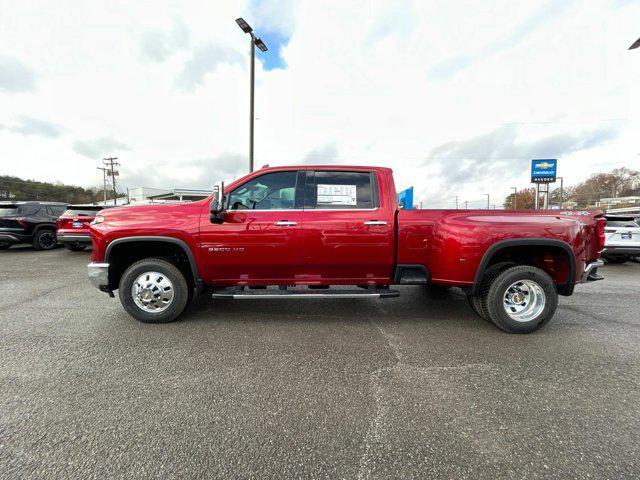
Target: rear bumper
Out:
[591,272]
[99,275]
[626,250]
[74,238]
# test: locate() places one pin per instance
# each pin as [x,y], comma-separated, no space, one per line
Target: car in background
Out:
[73,226]
[622,239]
[29,222]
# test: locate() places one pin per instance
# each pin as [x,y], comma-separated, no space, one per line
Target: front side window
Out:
[340,190]
[273,191]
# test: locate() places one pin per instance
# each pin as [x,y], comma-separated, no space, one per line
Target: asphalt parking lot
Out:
[415,387]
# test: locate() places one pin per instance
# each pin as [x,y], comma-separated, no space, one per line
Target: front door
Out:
[260,240]
[348,234]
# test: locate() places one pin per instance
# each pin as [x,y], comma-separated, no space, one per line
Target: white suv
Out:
[622,239]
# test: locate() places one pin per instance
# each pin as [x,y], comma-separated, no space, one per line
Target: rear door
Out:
[259,242]
[348,233]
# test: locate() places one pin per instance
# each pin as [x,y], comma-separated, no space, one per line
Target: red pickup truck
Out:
[294,232]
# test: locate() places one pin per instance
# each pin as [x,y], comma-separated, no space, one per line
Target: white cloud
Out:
[99,147]
[15,76]
[412,84]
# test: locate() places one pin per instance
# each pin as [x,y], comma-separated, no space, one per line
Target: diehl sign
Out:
[544,171]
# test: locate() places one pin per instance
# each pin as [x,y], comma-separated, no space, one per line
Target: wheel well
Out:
[122,255]
[555,260]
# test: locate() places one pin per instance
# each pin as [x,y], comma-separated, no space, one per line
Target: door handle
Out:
[285,223]
[375,222]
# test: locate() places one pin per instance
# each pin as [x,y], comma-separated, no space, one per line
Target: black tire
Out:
[167,269]
[44,239]
[618,259]
[476,305]
[494,300]
[4,247]
[475,301]
[74,247]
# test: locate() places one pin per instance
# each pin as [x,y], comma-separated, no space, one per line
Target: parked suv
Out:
[622,239]
[29,222]
[73,226]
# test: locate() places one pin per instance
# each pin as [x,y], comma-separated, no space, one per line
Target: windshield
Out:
[81,212]
[622,224]
[8,211]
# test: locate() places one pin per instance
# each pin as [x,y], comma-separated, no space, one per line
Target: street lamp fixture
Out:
[255,41]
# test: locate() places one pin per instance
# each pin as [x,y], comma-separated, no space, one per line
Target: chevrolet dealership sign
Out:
[544,171]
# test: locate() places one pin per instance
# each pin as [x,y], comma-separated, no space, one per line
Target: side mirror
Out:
[216,208]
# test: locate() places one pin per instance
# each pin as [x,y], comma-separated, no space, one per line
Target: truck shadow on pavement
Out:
[418,304]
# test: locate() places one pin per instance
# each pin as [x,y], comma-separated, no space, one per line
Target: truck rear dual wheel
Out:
[153,290]
[520,299]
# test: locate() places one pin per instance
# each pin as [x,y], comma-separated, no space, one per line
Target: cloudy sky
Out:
[457,96]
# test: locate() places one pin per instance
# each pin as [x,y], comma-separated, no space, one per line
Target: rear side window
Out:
[81,212]
[57,210]
[29,209]
[8,210]
[341,190]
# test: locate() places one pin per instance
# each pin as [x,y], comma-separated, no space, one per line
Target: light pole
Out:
[515,198]
[487,200]
[255,41]
[561,190]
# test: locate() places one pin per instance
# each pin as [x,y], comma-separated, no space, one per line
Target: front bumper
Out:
[13,238]
[99,275]
[74,238]
[591,272]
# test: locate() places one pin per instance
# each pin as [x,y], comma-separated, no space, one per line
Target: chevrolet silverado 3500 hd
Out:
[294,232]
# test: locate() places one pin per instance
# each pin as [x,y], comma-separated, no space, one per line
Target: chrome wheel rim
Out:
[152,292]
[524,300]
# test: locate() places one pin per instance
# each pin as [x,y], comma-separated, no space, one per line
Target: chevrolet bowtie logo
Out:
[544,165]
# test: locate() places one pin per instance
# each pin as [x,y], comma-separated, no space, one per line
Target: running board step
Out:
[281,294]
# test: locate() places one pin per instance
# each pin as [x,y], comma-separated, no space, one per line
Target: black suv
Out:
[29,222]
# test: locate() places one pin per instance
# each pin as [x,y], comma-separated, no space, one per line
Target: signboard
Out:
[405,199]
[337,194]
[544,171]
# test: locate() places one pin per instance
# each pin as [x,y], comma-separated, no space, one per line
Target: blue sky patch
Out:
[271,58]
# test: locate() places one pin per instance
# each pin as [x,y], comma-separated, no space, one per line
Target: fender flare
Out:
[565,288]
[162,239]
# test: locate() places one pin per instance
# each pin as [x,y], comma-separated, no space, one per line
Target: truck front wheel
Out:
[521,299]
[153,290]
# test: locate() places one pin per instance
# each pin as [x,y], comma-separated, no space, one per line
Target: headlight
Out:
[97,220]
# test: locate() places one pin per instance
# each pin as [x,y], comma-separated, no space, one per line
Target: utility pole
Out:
[515,198]
[466,203]
[487,200]
[111,163]
[104,183]
[456,202]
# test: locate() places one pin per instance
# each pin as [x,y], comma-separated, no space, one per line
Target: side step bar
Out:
[283,294]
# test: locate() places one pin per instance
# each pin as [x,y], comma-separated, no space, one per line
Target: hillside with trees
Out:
[16,189]
[620,182]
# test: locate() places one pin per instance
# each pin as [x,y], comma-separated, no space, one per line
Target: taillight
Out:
[600,230]
[22,222]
